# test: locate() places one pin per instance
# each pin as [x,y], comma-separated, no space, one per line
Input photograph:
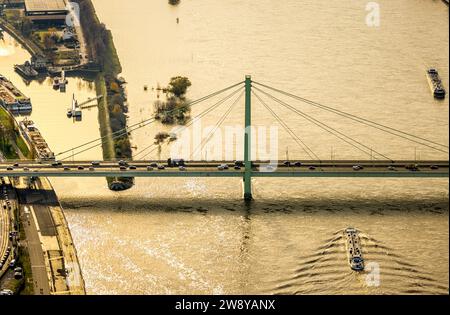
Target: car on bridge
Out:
[225,166]
[412,167]
[123,163]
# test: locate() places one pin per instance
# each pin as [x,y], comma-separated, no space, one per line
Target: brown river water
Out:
[196,236]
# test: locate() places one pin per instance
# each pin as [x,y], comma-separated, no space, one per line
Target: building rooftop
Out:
[45,5]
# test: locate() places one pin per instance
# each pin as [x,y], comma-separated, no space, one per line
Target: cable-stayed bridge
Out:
[377,165]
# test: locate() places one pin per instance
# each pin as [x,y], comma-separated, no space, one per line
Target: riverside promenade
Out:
[54,262]
[52,252]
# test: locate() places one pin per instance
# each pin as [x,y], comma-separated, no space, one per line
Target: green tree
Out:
[48,41]
[179,85]
[27,27]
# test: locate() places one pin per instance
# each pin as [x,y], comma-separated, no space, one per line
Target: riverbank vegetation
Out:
[175,108]
[113,106]
[10,138]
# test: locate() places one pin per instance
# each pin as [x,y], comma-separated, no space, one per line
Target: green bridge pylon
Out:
[248,139]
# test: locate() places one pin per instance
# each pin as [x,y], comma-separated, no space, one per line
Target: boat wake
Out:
[327,271]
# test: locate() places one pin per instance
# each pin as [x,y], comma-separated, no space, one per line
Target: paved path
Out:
[37,259]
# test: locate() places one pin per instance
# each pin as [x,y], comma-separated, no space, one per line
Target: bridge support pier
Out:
[247,141]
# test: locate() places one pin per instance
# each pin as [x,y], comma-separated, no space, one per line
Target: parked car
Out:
[18,273]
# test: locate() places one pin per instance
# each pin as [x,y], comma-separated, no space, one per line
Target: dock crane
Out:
[76,110]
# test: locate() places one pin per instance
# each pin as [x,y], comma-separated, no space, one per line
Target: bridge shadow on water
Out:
[286,227]
[261,206]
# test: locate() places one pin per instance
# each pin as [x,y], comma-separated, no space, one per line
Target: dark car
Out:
[412,167]
[123,163]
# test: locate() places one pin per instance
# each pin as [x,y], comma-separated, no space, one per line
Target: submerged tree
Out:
[175,109]
[178,86]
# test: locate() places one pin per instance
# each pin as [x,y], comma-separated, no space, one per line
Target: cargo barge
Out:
[435,83]
[12,99]
[36,141]
[353,247]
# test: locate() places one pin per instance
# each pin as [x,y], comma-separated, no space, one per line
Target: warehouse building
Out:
[47,11]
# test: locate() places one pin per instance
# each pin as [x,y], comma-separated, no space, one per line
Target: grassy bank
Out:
[112,107]
[26,286]
[12,137]
[103,118]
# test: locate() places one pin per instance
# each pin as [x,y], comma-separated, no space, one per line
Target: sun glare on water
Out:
[6,51]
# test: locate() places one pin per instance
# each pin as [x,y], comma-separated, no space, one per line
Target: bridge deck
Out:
[209,169]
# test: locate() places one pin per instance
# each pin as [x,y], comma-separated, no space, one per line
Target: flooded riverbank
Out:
[192,236]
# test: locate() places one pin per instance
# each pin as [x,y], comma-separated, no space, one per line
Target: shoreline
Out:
[111,88]
[112,107]
[58,243]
